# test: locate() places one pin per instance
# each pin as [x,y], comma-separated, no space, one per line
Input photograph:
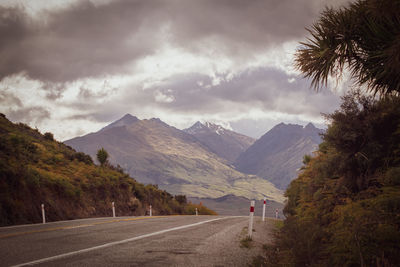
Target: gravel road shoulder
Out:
[226,249]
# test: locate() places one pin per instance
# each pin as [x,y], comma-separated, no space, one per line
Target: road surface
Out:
[127,241]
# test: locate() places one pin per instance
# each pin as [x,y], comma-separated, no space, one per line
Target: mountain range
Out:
[153,152]
[204,160]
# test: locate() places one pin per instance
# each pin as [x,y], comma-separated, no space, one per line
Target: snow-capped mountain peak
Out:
[205,126]
[223,142]
[195,128]
[215,128]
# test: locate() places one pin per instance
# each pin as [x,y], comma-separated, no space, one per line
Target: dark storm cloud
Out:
[266,88]
[241,26]
[87,40]
[82,41]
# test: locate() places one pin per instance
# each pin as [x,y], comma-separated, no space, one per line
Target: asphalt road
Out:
[126,241]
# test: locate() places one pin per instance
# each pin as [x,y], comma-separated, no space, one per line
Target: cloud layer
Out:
[89,62]
[88,40]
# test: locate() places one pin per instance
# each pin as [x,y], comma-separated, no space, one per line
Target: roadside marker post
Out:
[150,213]
[276,214]
[197,213]
[113,209]
[251,218]
[43,214]
[263,214]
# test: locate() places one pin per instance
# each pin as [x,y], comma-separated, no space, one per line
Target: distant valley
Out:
[234,205]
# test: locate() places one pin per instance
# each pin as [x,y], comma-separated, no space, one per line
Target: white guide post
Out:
[43,214]
[113,209]
[151,214]
[276,214]
[263,214]
[197,213]
[251,218]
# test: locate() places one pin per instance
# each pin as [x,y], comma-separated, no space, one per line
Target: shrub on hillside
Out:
[49,136]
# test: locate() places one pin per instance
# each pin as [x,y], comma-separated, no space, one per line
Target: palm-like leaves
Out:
[364,37]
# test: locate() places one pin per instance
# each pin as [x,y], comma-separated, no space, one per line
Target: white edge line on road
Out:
[56,222]
[116,243]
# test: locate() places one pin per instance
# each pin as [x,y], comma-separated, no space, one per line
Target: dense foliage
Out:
[344,208]
[363,38]
[35,169]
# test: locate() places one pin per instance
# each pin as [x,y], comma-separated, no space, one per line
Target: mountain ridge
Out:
[127,119]
[278,154]
[225,143]
[154,152]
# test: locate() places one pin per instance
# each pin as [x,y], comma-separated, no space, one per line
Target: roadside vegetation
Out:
[344,208]
[36,169]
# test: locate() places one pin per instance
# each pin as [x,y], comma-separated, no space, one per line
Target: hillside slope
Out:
[278,154]
[225,143]
[35,169]
[157,153]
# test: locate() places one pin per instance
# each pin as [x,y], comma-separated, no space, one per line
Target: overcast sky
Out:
[72,67]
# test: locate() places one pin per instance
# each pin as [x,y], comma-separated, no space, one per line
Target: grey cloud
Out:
[14,109]
[82,41]
[246,25]
[53,90]
[105,90]
[14,30]
[267,88]
[86,93]
[9,99]
[31,115]
[95,117]
[92,111]
[87,40]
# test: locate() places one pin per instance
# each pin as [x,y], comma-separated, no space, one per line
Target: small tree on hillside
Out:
[49,136]
[102,156]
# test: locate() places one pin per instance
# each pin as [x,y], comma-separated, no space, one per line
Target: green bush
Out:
[48,136]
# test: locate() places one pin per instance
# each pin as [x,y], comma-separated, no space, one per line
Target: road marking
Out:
[78,226]
[57,257]
[49,223]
